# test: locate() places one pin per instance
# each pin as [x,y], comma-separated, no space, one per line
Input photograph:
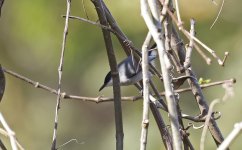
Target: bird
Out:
[130,72]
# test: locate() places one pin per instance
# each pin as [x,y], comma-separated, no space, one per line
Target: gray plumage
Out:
[130,71]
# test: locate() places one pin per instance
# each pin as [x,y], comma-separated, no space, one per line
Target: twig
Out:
[186,33]
[206,124]
[10,133]
[99,5]
[5,133]
[219,12]
[100,99]
[124,41]
[145,74]
[187,62]
[165,73]
[60,69]
[204,56]
[231,137]
[92,23]
[178,14]
[71,140]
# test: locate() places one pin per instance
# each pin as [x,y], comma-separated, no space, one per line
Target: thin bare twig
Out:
[71,140]
[60,69]
[204,56]
[124,41]
[178,14]
[219,12]
[145,74]
[100,99]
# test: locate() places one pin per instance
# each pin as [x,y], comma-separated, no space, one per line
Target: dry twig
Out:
[60,69]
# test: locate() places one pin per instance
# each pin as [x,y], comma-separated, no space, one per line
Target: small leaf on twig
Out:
[202,81]
[2,83]
[1,4]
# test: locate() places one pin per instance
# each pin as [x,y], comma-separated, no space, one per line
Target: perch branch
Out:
[100,99]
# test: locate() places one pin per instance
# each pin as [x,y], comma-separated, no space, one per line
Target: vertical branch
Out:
[145,73]
[114,72]
[189,48]
[156,34]
[60,69]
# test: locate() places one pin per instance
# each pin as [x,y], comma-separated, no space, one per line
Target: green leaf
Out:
[202,81]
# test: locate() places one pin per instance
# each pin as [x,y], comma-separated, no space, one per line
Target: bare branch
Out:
[100,8]
[60,69]
[231,137]
[187,62]
[156,34]
[145,74]
[186,33]
[204,56]
[10,133]
[219,12]
[5,133]
[178,15]
[100,99]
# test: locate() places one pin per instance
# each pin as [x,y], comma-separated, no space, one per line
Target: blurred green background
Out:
[30,44]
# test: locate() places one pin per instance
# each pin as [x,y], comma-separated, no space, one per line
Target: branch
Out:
[10,133]
[187,62]
[146,101]
[60,69]
[231,137]
[5,133]
[164,61]
[186,33]
[99,5]
[100,99]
